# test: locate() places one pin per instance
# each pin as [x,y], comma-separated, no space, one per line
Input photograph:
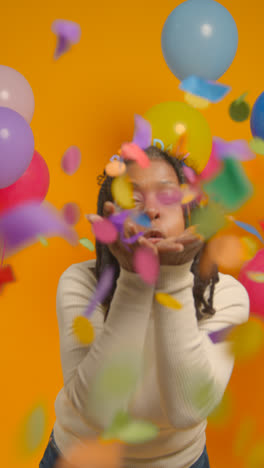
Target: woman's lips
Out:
[154,240]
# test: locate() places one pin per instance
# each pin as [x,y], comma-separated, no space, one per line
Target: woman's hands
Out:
[171,251]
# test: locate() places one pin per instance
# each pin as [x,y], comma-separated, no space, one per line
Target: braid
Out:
[104,256]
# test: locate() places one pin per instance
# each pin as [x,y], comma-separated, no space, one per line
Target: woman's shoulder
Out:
[81,272]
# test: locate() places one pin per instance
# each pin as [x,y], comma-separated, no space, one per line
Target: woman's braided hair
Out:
[204,308]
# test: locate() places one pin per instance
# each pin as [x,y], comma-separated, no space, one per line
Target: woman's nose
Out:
[152,212]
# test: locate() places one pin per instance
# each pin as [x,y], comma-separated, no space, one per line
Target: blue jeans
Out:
[53,452]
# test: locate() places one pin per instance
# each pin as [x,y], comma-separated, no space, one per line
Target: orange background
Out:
[88,98]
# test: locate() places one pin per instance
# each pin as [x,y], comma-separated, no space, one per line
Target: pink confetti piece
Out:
[104,286]
[169,198]
[135,153]
[71,160]
[71,213]
[21,225]
[213,166]
[68,33]
[143,132]
[146,264]
[105,231]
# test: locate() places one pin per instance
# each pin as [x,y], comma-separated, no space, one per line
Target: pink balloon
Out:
[255,290]
[146,265]
[105,231]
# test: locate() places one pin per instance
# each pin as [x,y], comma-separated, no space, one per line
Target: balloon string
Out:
[3,254]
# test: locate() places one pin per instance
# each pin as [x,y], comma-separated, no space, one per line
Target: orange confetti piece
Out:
[115,168]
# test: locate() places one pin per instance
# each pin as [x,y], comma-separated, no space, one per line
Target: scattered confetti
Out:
[115,168]
[133,431]
[239,110]
[189,193]
[71,160]
[226,251]
[83,330]
[251,247]
[168,301]
[105,231]
[244,436]
[196,101]
[210,90]
[222,414]
[249,228]
[31,431]
[231,187]
[135,153]
[255,276]
[254,289]
[255,458]
[142,219]
[213,167]
[146,264]
[71,213]
[6,275]
[237,149]
[247,340]
[209,219]
[220,335]
[43,241]
[21,225]
[68,33]
[132,239]
[142,133]
[169,197]
[104,286]
[257,145]
[122,192]
[87,243]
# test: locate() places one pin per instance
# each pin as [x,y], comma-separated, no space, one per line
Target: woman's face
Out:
[159,177]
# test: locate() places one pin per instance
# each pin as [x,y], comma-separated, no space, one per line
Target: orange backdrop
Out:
[88,98]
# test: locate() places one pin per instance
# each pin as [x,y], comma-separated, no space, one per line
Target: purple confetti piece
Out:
[210,90]
[118,219]
[21,225]
[220,335]
[142,133]
[237,149]
[104,286]
[71,160]
[68,33]
[132,239]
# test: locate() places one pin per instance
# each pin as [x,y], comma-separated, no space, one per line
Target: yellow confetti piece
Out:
[83,330]
[222,414]
[255,458]
[256,276]
[247,339]
[189,194]
[244,436]
[251,247]
[168,301]
[115,168]
[31,431]
[196,101]
[122,192]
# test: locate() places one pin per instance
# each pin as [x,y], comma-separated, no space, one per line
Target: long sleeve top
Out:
[175,355]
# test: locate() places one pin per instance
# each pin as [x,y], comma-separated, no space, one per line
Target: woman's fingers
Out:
[108,209]
[92,218]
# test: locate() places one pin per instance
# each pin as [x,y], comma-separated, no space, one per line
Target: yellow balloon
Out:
[169,120]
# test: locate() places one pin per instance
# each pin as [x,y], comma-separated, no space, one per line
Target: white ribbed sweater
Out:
[174,348]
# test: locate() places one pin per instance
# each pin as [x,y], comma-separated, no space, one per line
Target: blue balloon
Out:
[199,38]
[257,117]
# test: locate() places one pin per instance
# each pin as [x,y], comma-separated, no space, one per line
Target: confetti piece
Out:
[226,251]
[244,436]
[255,458]
[6,274]
[249,228]
[83,330]
[247,340]
[255,276]
[146,264]
[210,90]
[251,247]
[142,219]
[118,219]
[213,167]
[237,149]
[254,289]
[115,168]
[71,160]
[43,241]
[122,192]
[71,213]
[31,431]
[239,110]
[105,231]
[92,453]
[196,101]
[169,197]
[189,193]
[209,219]
[257,145]
[142,133]
[68,33]
[135,153]
[104,286]
[168,301]
[220,335]
[22,224]
[231,187]
[132,239]
[87,243]
[222,414]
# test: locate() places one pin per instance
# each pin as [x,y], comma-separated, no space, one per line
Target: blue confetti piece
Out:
[210,90]
[142,219]
[249,229]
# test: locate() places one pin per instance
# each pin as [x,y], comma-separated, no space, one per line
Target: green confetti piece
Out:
[130,430]
[241,98]
[208,219]
[43,241]
[231,187]
[31,431]
[87,243]
[239,110]
[257,145]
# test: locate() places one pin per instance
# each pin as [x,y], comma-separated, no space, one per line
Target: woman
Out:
[174,344]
